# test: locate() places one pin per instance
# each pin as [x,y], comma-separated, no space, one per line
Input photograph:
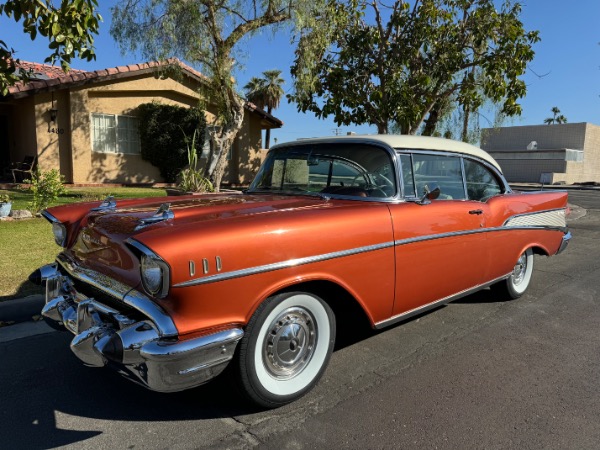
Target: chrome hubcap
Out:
[289,343]
[520,269]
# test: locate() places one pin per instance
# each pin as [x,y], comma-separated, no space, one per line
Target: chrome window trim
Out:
[373,142]
[463,156]
[340,254]
[283,265]
[413,312]
[121,291]
[464,178]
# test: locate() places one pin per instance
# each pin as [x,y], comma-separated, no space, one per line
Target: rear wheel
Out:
[286,348]
[518,281]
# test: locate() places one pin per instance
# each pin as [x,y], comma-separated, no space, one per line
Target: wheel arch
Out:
[344,304]
[539,250]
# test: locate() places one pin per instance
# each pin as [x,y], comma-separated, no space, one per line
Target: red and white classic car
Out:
[171,291]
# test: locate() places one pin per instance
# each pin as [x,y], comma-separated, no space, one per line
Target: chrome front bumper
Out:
[142,343]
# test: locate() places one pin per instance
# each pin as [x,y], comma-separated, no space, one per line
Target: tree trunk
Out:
[223,140]
[431,122]
[465,129]
[382,128]
[268,133]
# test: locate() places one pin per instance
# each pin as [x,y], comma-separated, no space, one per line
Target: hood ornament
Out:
[108,203]
[163,213]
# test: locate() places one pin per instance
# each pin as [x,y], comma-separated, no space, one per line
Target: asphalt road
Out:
[478,373]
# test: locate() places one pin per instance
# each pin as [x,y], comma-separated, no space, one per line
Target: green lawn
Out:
[26,245]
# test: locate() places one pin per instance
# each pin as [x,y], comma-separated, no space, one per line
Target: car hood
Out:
[101,237]
[147,217]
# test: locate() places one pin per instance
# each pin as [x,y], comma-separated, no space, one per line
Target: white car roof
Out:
[409,142]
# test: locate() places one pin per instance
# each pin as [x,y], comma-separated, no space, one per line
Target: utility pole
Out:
[337,131]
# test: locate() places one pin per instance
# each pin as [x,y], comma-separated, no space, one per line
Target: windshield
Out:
[355,170]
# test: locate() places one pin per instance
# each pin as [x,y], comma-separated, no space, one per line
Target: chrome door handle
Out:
[476,211]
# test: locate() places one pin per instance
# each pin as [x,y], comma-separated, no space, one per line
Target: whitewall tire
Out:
[286,347]
[520,278]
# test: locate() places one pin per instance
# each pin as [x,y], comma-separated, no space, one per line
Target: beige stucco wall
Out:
[67,143]
[53,139]
[120,98]
[249,161]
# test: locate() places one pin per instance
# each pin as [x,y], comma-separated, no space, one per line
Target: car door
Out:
[439,247]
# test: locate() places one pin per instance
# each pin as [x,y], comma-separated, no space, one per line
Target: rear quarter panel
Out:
[507,243]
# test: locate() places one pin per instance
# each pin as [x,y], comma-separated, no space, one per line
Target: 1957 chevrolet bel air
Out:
[170,292]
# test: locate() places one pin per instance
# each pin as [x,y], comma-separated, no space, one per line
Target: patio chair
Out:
[20,170]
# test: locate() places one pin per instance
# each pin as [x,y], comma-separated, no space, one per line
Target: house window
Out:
[115,134]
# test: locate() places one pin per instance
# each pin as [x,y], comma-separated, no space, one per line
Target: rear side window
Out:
[481,182]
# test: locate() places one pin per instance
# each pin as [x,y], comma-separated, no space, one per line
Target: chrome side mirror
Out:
[430,194]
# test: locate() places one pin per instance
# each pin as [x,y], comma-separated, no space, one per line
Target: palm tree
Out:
[557,117]
[255,91]
[561,119]
[266,93]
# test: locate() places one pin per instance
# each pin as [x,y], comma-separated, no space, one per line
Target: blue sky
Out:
[568,57]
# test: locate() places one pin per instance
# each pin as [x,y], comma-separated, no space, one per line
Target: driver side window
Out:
[441,170]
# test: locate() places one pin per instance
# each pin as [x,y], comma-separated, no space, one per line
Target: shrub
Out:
[45,187]
[192,179]
[162,142]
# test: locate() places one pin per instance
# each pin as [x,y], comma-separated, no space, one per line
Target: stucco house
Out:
[558,153]
[84,123]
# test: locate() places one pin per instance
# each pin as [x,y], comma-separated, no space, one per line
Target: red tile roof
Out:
[46,76]
[45,70]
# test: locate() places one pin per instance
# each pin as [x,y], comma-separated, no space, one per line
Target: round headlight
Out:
[60,233]
[152,274]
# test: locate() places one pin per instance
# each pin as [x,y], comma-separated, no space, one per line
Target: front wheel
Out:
[520,278]
[286,348]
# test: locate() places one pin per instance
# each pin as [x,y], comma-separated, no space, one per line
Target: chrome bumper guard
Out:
[140,349]
[565,242]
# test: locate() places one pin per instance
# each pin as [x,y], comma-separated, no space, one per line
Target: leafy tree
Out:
[207,33]
[266,93]
[68,28]
[557,117]
[404,62]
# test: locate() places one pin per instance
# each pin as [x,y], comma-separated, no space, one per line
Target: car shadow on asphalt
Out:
[41,380]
